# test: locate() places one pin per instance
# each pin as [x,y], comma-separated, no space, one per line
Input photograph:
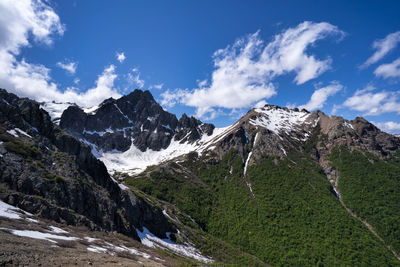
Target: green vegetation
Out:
[371,188]
[17,146]
[293,220]
[54,178]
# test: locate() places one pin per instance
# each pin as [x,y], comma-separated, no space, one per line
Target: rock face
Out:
[48,172]
[132,119]
[279,131]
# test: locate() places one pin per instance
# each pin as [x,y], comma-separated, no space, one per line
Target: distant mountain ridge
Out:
[135,128]
[135,118]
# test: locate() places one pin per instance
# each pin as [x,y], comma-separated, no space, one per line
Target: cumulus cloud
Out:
[121,57]
[244,71]
[390,70]
[319,97]
[388,126]
[383,47]
[68,67]
[373,103]
[33,20]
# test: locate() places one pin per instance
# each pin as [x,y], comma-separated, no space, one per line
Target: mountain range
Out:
[278,187]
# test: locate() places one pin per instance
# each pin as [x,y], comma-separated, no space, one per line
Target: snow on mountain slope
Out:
[279,120]
[55,109]
[134,161]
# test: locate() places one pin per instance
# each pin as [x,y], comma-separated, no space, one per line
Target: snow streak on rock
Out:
[150,240]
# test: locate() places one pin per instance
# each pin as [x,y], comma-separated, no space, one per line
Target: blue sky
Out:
[312,54]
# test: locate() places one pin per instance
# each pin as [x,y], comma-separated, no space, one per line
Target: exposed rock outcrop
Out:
[48,172]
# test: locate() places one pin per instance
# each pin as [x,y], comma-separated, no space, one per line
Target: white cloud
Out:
[157,86]
[69,67]
[260,104]
[33,19]
[389,126]
[244,71]
[372,103]
[76,80]
[17,20]
[171,98]
[382,47]
[319,97]
[133,79]
[390,70]
[121,57]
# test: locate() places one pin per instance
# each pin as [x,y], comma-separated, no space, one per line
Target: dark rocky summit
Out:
[135,118]
[48,172]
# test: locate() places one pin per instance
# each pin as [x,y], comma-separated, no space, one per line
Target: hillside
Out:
[278,187]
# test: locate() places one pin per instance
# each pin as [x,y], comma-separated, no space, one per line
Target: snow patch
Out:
[283,150]
[57,230]
[97,249]
[32,220]
[336,192]
[91,110]
[111,249]
[167,215]
[90,239]
[150,240]
[9,211]
[15,134]
[279,120]
[122,186]
[55,110]
[247,162]
[346,124]
[40,235]
[120,111]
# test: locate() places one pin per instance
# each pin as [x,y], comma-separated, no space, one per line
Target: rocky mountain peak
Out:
[132,119]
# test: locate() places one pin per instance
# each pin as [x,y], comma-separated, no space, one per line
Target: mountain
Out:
[132,124]
[291,187]
[49,175]
[278,187]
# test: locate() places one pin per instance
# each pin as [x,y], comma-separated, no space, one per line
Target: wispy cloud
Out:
[133,79]
[320,95]
[389,70]
[69,67]
[244,71]
[382,47]
[121,57]
[373,103]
